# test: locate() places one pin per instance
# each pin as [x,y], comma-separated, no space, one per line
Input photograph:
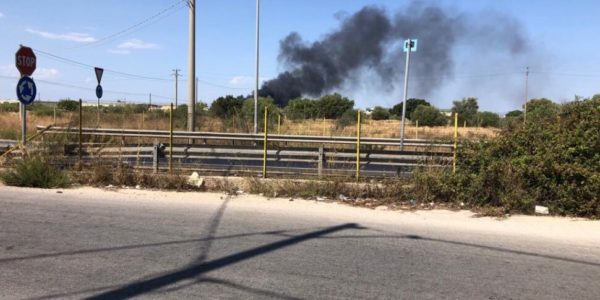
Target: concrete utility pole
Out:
[192,67]
[176,74]
[526,95]
[150,100]
[408,49]
[257,66]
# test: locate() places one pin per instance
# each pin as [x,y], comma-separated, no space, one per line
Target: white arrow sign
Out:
[99,72]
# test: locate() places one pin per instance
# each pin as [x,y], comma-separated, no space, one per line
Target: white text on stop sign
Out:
[25,61]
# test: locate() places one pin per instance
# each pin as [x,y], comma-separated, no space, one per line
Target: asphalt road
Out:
[87,243]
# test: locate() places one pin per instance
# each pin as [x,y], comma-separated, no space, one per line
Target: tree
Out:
[514,114]
[428,116]
[542,110]
[380,113]
[333,106]
[488,119]
[301,108]
[349,117]
[411,105]
[68,105]
[467,110]
[226,107]
[247,112]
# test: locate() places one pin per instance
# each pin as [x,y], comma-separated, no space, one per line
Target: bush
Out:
[488,119]
[35,172]
[555,164]
[42,110]
[428,116]
[333,106]
[411,105]
[349,117]
[301,109]
[68,105]
[380,113]
[9,107]
[226,107]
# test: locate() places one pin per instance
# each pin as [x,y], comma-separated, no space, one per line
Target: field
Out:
[10,125]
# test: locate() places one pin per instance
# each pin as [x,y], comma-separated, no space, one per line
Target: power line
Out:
[86,66]
[137,26]
[134,76]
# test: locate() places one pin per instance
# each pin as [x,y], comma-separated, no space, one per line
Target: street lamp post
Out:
[257,66]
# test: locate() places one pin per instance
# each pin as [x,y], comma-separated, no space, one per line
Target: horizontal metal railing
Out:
[285,154]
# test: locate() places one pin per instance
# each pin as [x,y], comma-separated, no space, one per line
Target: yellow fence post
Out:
[455,142]
[358,147]
[171,139]
[264,171]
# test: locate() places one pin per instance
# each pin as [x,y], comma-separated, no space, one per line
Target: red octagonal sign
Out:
[25,61]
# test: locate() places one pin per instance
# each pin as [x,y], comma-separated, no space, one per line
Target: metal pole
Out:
[171,139]
[176,74]
[417,130]
[264,173]
[526,95]
[278,123]
[455,142]
[23,109]
[257,66]
[192,67]
[98,112]
[405,94]
[80,131]
[358,147]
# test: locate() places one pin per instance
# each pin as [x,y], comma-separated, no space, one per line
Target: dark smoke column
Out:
[324,65]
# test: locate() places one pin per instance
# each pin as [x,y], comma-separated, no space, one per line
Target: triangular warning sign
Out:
[99,72]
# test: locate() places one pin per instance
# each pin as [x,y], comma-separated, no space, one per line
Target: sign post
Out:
[409,46]
[99,91]
[26,63]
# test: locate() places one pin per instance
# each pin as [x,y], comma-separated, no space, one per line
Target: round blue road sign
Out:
[26,90]
[99,91]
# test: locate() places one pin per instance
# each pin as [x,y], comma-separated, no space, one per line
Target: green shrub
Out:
[35,171]
[488,119]
[552,162]
[411,105]
[9,107]
[68,105]
[380,113]
[428,116]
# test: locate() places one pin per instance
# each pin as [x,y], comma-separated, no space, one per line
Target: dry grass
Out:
[10,126]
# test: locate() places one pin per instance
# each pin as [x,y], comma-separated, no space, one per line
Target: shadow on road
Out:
[155,283]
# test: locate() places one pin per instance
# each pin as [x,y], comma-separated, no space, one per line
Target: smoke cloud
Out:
[371,41]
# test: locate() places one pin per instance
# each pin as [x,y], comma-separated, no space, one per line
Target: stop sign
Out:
[25,61]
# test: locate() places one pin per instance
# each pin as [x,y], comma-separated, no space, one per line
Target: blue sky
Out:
[563,32]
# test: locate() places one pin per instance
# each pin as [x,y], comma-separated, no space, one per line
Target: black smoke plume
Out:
[372,40]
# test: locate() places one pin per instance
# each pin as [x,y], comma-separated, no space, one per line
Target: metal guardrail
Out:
[285,154]
[248,137]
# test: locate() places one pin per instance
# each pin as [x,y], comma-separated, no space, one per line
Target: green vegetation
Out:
[67,105]
[467,111]
[9,107]
[411,105]
[428,116]
[553,161]
[35,171]
[380,113]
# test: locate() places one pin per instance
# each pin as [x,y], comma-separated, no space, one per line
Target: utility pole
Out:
[176,74]
[196,89]
[150,100]
[409,45]
[526,95]
[257,66]
[192,67]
